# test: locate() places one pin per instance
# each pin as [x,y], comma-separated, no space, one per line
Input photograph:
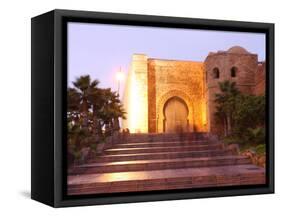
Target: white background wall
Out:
[15,107]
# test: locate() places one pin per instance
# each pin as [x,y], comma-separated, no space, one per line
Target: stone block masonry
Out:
[164,96]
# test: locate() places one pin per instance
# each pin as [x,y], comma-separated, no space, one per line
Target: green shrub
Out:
[231,140]
[260,149]
[255,136]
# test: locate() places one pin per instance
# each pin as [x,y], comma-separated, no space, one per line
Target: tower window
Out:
[233,72]
[216,73]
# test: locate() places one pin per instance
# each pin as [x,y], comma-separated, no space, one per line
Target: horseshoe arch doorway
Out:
[175,116]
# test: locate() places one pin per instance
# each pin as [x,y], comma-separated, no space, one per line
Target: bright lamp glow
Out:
[120,76]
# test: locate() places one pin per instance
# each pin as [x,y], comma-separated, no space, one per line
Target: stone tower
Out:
[235,64]
[135,96]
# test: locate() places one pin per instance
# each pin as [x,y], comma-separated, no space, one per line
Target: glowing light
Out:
[137,106]
[135,99]
[204,116]
[120,76]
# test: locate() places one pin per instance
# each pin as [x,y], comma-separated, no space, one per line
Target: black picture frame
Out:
[49,84]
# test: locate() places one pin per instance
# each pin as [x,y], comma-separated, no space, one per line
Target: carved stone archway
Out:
[161,103]
[175,116]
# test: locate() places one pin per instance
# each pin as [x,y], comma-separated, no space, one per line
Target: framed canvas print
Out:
[131,108]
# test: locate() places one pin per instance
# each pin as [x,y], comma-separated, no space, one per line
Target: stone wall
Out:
[135,98]
[152,82]
[260,79]
[184,79]
[245,65]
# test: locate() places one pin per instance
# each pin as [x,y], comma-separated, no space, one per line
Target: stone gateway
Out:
[167,96]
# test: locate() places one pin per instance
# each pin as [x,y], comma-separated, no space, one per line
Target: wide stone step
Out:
[161,139]
[174,148]
[166,179]
[161,144]
[161,155]
[158,137]
[147,165]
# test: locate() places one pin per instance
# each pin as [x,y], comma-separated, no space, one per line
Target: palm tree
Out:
[117,110]
[226,101]
[82,85]
[110,111]
[92,113]
[87,90]
[73,101]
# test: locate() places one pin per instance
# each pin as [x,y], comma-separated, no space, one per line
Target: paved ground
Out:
[163,174]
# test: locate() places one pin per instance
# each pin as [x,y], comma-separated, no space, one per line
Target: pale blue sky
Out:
[100,49]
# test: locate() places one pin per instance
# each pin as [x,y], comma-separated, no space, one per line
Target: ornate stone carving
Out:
[151,82]
[160,108]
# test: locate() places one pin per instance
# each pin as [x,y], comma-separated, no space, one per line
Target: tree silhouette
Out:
[93,113]
[226,103]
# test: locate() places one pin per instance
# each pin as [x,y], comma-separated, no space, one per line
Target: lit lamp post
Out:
[120,77]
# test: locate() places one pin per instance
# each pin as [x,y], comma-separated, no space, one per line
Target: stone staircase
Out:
[162,162]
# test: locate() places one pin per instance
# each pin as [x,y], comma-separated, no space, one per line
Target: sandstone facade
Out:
[175,96]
